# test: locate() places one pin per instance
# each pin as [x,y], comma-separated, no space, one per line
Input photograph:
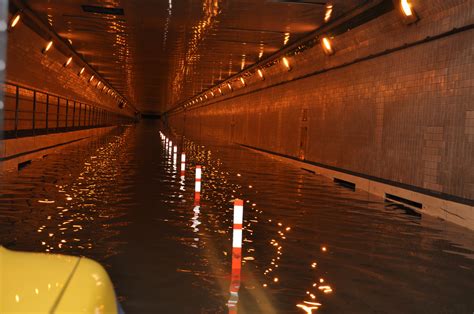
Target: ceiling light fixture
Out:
[81,71]
[230,86]
[406,7]
[15,20]
[92,77]
[242,81]
[327,47]
[286,63]
[409,14]
[48,46]
[68,62]
[260,74]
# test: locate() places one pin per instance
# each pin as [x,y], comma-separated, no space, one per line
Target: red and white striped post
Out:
[197,186]
[183,165]
[236,255]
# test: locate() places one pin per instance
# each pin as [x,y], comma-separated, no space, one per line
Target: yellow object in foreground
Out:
[51,283]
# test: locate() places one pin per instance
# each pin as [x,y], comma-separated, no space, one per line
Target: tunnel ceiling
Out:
[161,52]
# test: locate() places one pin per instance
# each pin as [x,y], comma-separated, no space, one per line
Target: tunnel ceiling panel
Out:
[160,53]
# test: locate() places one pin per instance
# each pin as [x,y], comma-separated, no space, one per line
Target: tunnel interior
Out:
[237,156]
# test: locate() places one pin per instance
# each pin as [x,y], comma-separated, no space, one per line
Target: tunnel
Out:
[237,156]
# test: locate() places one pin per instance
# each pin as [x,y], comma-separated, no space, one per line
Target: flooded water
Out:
[309,245]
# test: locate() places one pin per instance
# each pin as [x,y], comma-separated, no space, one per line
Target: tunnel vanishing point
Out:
[373,95]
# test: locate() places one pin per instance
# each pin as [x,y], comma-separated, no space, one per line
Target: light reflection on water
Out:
[308,245]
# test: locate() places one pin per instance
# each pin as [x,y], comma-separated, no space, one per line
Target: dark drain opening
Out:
[392,197]
[310,171]
[345,184]
[102,10]
[22,165]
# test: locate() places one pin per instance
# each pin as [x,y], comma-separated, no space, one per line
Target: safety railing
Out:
[29,112]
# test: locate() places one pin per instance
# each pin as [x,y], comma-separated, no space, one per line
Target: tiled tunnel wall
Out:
[27,66]
[404,115]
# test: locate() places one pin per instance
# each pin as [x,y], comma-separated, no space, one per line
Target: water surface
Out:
[119,199]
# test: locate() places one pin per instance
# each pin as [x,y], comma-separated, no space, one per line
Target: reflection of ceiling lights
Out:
[309,2]
[287,38]
[327,15]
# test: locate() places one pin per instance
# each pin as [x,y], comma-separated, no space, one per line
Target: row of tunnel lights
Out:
[405,6]
[327,48]
[109,91]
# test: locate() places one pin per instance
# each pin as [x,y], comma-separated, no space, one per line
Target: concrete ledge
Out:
[457,213]
[19,150]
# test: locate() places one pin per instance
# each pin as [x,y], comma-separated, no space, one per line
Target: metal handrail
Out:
[30,112]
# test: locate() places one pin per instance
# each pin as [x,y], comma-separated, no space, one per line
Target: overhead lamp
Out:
[81,71]
[408,13]
[212,93]
[92,77]
[205,96]
[327,47]
[16,18]
[286,63]
[230,86]
[48,46]
[220,90]
[68,62]
[242,80]
[98,84]
[260,74]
